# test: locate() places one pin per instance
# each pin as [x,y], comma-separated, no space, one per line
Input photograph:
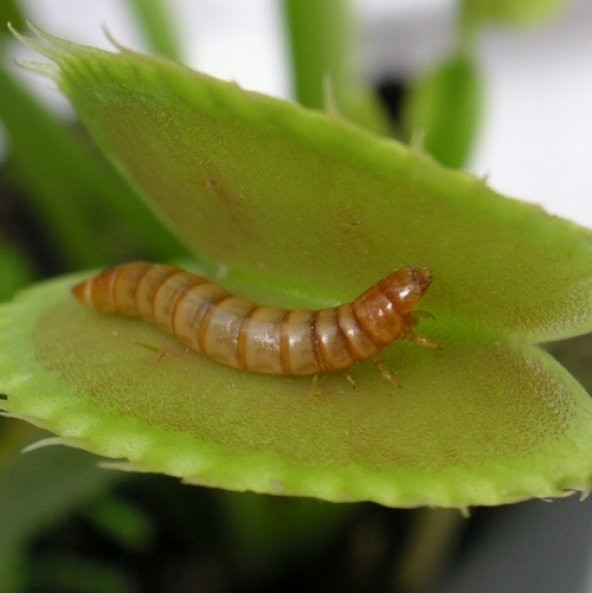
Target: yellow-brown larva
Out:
[240,334]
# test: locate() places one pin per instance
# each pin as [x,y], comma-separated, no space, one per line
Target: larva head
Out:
[405,287]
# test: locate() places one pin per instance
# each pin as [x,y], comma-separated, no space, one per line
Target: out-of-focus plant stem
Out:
[432,542]
[15,269]
[321,36]
[70,189]
[54,171]
[155,19]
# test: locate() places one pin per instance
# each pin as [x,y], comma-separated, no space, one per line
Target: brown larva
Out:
[240,334]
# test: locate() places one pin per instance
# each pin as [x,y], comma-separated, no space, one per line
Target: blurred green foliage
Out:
[10,12]
[444,109]
[509,12]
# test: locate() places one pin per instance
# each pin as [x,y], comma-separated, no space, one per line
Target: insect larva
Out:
[240,334]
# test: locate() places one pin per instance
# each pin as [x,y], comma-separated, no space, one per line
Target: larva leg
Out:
[349,378]
[377,360]
[174,349]
[159,352]
[153,349]
[423,341]
[315,390]
[417,339]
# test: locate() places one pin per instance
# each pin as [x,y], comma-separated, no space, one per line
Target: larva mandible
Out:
[240,334]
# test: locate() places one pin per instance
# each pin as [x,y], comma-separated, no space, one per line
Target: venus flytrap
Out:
[301,210]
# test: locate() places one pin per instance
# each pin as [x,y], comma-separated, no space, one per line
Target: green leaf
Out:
[72,192]
[129,526]
[36,490]
[292,208]
[15,269]
[53,172]
[42,486]
[511,12]
[444,109]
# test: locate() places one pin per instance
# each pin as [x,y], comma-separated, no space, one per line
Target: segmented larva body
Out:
[240,334]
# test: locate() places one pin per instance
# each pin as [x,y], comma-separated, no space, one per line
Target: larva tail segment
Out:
[80,292]
[96,292]
[114,290]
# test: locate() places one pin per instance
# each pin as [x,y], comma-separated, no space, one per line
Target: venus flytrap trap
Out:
[305,211]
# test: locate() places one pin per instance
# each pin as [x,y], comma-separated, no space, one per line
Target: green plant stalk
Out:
[63,180]
[467,27]
[17,270]
[268,531]
[445,105]
[154,18]
[63,479]
[320,35]
[121,521]
[434,537]
[518,13]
